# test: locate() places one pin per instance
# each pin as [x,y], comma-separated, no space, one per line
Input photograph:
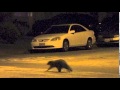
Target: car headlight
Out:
[115,36]
[56,38]
[34,40]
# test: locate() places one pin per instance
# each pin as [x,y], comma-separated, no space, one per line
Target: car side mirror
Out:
[72,31]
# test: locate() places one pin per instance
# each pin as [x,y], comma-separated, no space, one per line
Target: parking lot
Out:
[101,62]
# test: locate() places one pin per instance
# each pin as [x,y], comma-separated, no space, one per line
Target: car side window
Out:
[77,28]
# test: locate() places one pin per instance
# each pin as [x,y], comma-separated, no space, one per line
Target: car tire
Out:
[89,44]
[65,46]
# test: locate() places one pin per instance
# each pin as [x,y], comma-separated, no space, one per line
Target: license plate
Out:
[107,40]
[41,44]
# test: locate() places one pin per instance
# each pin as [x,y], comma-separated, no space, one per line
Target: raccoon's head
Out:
[50,63]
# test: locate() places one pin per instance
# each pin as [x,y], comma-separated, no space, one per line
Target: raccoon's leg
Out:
[49,68]
[59,69]
[69,69]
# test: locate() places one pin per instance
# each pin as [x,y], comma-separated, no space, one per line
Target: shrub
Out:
[9,32]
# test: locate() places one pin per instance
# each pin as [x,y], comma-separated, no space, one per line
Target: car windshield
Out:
[57,29]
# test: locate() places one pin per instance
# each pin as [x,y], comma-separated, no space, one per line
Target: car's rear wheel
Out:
[89,44]
[65,45]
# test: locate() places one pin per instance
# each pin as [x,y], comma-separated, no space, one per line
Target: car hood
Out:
[48,36]
[108,34]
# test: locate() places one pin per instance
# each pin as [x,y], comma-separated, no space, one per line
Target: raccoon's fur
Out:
[59,64]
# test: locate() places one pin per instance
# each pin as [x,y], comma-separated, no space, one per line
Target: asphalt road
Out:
[102,62]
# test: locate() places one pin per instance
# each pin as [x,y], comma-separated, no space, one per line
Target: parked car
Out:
[109,36]
[64,36]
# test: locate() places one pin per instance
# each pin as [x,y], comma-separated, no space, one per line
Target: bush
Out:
[9,32]
[22,26]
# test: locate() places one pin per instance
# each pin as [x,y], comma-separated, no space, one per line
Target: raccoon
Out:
[59,64]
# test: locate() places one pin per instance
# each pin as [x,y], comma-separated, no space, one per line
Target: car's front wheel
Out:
[65,45]
[89,44]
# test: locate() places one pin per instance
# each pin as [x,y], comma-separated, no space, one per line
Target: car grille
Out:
[43,46]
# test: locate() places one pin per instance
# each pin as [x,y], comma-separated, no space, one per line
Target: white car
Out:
[63,37]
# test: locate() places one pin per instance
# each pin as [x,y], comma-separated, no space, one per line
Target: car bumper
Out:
[46,45]
[108,40]
[108,43]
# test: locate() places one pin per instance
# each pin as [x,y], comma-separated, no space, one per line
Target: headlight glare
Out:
[56,38]
[116,36]
[34,40]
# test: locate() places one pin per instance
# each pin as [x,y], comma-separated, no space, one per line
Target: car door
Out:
[80,37]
